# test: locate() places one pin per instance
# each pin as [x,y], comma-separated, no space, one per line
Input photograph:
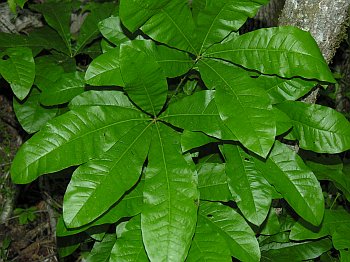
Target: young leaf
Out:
[219,18]
[240,100]
[72,139]
[212,182]
[134,13]
[172,25]
[284,51]
[170,192]
[246,181]
[318,128]
[129,246]
[18,68]
[198,112]
[146,85]
[230,225]
[297,251]
[101,251]
[105,70]
[64,89]
[286,171]
[31,114]
[115,172]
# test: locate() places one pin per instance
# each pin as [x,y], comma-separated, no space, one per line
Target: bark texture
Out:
[326,20]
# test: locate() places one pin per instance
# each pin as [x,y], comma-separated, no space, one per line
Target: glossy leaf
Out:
[101,251]
[240,100]
[286,171]
[72,139]
[105,70]
[17,67]
[193,113]
[246,181]
[298,251]
[111,28]
[283,122]
[318,128]
[57,15]
[172,25]
[129,205]
[190,140]
[219,18]
[134,13]
[101,98]
[115,172]
[170,195]
[64,89]
[334,221]
[284,51]
[282,89]
[233,228]
[212,182]
[129,246]
[89,29]
[145,85]
[31,114]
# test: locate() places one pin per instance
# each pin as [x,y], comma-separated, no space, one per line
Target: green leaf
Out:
[198,112]
[332,172]
[58,16]
[129,205]
[231,226]
[271,225]
[344,255]
[47,71]
[284,51]
[282,89]
[246,181]
[134,13]
[207,244]
[334,221]
[64,89]
[286,171]
[172,25]
[170,194]
[190,140]
[144,80]
[31,115]
[89,29]
[101,251]
[112,29]
[129,246]
[115,172]
[105,70]
[318,128]
[212,182]
[101,98]
[72,139]
[18,69]
[240,100]
[219,18]
[296,251]
[283,122]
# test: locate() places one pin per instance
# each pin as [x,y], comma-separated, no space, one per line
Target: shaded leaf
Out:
[31,114]
[101,251]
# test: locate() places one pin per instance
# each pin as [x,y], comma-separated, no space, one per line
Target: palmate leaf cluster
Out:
[175,78]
